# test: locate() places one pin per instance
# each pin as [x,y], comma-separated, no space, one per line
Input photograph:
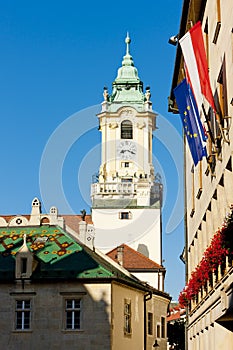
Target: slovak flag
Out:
[193,49]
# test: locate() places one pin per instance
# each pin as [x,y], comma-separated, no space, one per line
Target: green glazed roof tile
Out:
[57,253]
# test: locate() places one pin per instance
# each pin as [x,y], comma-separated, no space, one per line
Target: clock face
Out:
[126,150]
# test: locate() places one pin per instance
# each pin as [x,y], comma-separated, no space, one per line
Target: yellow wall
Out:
[120,341]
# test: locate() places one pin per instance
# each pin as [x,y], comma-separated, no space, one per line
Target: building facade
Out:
[57,293]
[208,294]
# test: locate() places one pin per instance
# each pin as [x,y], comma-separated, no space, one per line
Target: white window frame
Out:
[127,317]
[73,309]
[22,310]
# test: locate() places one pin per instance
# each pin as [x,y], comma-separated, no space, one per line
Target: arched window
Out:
[126,129]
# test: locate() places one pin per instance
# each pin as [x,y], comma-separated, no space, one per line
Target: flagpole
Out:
[208,124]
[219,125]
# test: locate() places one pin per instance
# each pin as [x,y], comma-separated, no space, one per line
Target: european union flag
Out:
[190,117]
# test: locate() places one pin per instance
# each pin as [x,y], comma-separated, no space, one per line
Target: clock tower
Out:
[126,199]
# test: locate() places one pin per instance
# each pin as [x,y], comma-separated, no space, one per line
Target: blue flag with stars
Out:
[191,121]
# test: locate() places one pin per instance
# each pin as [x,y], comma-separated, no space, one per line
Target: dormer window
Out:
[126,129]
[24,265]
[23,261]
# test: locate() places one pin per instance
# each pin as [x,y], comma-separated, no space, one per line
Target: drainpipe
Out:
[147,296]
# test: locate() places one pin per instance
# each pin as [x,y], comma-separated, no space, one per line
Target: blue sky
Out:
[56,57]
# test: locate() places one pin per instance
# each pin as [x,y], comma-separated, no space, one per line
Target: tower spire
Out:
[127,41]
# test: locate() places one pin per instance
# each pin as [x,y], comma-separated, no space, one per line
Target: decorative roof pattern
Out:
[59,255]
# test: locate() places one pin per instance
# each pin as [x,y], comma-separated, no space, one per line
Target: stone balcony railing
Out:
[113,188]
[127,188]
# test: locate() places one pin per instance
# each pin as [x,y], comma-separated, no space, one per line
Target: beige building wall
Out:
[47,316]
[210,184]
[158,306]
[121,339]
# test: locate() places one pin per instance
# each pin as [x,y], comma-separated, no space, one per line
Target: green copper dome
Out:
[127,89]
[127,73]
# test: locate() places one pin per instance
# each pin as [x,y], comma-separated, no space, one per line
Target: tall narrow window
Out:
[126,129]
[158,330]
[127,317]
[150,323]
[23,314]
[223,90]
[24,265]
[163,327]
[73,314]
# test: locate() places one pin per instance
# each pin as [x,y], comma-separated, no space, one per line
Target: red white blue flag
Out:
[193,49]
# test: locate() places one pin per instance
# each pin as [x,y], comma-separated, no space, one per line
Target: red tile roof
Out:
[9,217]
[70,220]
[175,313]
[73,221]
[133,260]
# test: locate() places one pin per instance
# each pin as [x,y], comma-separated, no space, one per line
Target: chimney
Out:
[82,231]
[120,255]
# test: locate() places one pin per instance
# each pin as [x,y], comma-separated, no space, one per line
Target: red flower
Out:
[213,256]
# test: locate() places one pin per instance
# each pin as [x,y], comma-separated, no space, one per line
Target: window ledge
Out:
[72,330]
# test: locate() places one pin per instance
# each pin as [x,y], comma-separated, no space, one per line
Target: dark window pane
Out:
[77,303]
[19,320]
[77,319]
[126,129]
[26,319]
[19,304]
[69,319]
[27,304]
[69,304]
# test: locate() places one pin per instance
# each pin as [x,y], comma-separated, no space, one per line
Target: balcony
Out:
[113,188]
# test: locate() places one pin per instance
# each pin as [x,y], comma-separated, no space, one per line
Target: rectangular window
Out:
[126,179]
[158,330]
[125,215]
[23,314]
[126,129]
[150,323]
[127,317]
[23,265]
[73,314]
[163,327]
[125,164]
